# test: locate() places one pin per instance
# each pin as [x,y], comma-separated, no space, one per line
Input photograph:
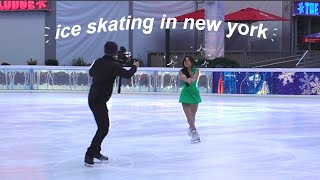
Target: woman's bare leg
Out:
[187,112]
[194,109]
[194,134]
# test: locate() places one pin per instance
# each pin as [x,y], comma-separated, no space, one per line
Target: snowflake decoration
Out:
[306,86]
[315,86]
[286,77]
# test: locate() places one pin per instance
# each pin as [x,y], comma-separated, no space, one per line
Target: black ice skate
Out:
[88,161]
[101,157]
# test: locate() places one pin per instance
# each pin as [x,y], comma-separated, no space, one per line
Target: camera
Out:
[124,58]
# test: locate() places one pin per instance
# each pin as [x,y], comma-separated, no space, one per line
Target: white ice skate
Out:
[195,137]
[189,132]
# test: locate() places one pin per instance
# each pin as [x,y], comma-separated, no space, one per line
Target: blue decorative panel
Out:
[299,83]
[286,83]
[243,82]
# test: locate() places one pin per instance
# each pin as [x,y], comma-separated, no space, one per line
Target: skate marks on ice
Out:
[74,167]
[116,162]
[136,165]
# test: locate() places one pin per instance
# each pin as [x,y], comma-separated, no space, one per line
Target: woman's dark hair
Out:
[184,70]
[191,60]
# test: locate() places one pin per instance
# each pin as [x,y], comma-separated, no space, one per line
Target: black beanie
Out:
[110,48]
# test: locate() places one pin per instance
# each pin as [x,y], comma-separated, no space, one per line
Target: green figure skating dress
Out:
[190,95]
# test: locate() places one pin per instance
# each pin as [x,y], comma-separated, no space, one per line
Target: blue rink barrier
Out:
[165,80]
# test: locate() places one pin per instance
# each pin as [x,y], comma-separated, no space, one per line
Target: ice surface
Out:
[44,136]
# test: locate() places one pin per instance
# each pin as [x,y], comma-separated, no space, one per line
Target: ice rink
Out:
[44,136]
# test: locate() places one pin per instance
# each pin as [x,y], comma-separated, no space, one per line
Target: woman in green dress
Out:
[190,96]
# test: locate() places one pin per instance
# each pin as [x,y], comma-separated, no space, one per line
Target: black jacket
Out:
[104,72]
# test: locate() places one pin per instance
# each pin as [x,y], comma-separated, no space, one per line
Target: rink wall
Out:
[165,80]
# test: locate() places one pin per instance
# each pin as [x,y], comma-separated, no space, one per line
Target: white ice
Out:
[44,136]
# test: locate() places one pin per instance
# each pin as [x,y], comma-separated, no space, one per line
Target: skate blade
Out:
[195,141]
[102,161]
[88,165]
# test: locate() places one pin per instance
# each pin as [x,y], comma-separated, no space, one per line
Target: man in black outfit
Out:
[104,72]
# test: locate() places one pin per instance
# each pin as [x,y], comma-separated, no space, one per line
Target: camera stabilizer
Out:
[125,59]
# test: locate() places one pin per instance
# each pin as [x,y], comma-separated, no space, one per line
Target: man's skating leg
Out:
[100,113]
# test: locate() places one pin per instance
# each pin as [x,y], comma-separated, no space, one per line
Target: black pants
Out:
[100,113]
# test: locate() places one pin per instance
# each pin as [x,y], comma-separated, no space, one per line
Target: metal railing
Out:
[309,59]
[301,58]
[284,62]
